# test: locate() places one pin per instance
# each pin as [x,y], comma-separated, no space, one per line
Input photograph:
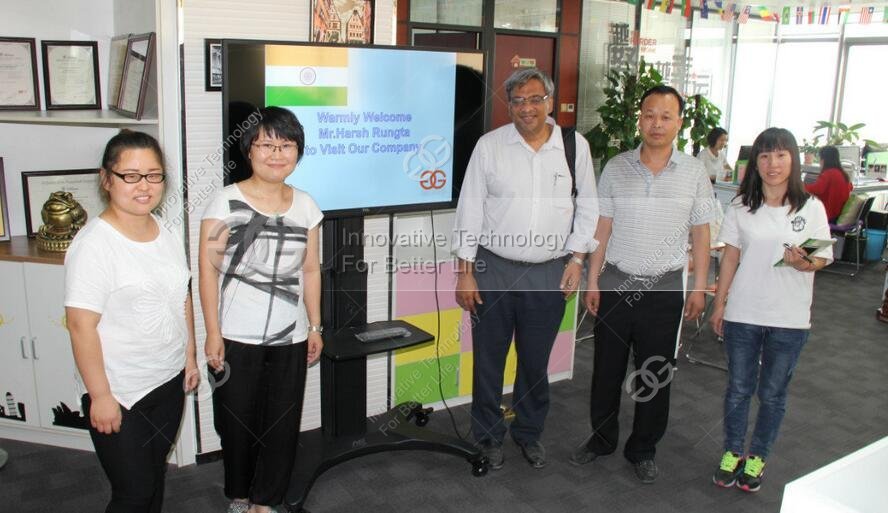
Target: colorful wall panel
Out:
[421,373]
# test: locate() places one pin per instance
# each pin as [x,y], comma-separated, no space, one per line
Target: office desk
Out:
[346,432]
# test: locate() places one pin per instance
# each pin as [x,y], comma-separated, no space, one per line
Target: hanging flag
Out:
[744,16]
[785,17]
[810,16]
[843,15]
[866,15]
[885,15]
[823,19]
[666,6]
[800,15]
[687,9]
[704,9]
[728,12]
[650,4]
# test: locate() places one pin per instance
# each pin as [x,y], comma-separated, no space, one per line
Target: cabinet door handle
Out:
[22,345]
[33,348]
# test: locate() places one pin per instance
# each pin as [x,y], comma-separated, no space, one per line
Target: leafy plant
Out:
[838,133]
[618,130]
[808,147]
[700,117]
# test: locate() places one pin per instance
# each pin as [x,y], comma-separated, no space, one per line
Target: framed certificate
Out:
[116,60]
[18,74]
[71,74]
[37,186]
[4,212]
[212,64]
[134,81]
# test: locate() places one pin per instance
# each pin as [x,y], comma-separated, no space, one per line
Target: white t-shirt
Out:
[260,283]
[714,164]
[139,288]
[762,294]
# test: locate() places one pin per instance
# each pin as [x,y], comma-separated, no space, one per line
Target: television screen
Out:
[387,129]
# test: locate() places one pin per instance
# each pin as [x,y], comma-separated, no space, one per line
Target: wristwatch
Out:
[319,329]
[576,260]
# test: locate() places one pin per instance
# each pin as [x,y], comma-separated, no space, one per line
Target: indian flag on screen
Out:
[302,76]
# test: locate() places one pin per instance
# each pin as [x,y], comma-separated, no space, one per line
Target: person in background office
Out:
[713,156]
[131,323]
[762,311]
[518,187]
[833,185]
[651,199]
[260,288]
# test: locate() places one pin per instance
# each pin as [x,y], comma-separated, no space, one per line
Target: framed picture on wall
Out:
[342,21]
[134,80]
[213,64]
[18,74]
[37,186]
[4,211]
[71,74]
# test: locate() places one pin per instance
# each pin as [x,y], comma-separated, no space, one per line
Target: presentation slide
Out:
[379,124]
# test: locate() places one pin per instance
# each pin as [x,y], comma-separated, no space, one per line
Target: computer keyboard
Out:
[372,335]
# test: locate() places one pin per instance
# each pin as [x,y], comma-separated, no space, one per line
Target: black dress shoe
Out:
[646,471]
[582,454]
[534,453]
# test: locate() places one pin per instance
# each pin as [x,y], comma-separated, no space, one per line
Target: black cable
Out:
[438,330]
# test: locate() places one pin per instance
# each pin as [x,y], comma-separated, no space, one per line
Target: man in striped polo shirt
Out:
[650,199]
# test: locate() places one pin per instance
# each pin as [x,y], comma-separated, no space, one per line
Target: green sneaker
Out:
[751,478]
[730,467]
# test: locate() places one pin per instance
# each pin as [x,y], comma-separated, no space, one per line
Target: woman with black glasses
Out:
[260,288]
[130,319]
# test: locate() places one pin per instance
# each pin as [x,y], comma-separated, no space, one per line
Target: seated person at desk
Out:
[713,157]
[833,186]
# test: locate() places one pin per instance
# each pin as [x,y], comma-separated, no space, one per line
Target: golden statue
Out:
[62,218]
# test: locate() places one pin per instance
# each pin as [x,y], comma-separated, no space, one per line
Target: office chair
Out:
[854,231]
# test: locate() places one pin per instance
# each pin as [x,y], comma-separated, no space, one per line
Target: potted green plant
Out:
[838,134]
[618,130]
[809,150]
[700,117]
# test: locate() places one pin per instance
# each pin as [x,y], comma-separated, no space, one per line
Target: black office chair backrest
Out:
[864,211]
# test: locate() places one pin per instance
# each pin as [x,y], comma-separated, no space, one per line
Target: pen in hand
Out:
[805,257]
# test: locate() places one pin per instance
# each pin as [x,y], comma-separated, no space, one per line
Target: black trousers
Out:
[257,410]
[134,459]
[525,301]
[647,323]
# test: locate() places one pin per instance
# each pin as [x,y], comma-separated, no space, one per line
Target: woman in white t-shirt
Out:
[763,301]
[713,156]
[260,289]
[130,319]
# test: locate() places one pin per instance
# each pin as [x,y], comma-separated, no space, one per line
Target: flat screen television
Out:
[387,129]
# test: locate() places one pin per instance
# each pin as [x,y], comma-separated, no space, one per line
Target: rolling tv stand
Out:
[347,433]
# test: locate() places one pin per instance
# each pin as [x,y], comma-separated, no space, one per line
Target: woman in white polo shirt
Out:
[130,319]
[763,300]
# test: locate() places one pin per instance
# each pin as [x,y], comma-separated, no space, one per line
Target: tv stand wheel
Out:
[421,415]
[480,467]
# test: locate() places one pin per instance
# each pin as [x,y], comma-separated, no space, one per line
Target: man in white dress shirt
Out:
[523,227]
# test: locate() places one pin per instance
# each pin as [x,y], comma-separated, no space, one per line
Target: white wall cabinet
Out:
[37,371]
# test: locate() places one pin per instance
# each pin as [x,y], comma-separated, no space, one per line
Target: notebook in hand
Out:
[811,247]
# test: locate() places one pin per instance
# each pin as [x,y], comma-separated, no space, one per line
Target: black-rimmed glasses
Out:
[137,177]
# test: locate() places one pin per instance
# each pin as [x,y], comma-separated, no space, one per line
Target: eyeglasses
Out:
[268,148]
[137,177]
[533,100]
